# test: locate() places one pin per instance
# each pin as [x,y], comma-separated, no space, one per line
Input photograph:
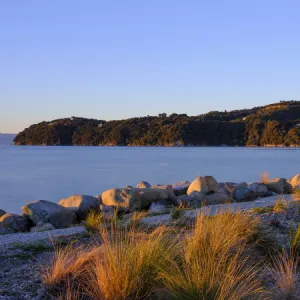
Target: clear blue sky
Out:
[115,59]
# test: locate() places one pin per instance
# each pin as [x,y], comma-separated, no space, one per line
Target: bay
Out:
[29,173]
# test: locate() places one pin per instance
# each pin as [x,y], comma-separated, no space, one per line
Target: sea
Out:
[29,173]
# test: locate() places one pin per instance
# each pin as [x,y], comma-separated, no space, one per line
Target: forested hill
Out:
[276,124]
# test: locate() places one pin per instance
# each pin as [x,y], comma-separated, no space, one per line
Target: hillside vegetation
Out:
[276,124]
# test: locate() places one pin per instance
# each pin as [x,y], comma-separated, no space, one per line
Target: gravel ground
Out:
[214,209]
[30,237]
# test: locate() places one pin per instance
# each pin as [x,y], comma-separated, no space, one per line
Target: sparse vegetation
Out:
[285,274]
[93,221]
[177,212]
[264,177]
[280,205]
[205,261]
[296,194]
[262,210]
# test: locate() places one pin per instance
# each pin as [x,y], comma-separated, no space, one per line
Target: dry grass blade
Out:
[296,194]
[285,275]
[264,177]
[281,205]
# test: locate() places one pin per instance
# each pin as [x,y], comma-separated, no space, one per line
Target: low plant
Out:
[281,205]
[264,177]
[296,194]
[212,264]
[93,221]
[177,212]
[285,275]
[262,210]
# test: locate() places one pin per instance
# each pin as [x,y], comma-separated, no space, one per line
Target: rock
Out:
[126,199]
[228,187]
[181,188]
[15,223]
[204,184]
[220,197]
[42,227]
[242,192]
[143,185]
[107,211]
[49,212]
[169,190]
[153,195]
[2,212]
[276,185]
[156,208]
[133,199]
[288,189]
[81,204]
[194,199]
[295,181]
[259,189]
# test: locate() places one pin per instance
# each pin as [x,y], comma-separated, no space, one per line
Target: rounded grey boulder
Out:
[15,223]
[81,204]
[49,212]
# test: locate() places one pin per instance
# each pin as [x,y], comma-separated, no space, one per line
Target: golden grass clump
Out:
[296,194]
[124,265]
[212,264]
[129,264]
[93,221]
[281,205]
[264,177]
[206,261]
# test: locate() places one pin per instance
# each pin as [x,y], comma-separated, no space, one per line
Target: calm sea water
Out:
[51,173]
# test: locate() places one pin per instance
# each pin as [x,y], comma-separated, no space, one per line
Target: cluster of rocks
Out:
[44,215]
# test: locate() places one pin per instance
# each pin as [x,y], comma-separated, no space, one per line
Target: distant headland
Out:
[275,125]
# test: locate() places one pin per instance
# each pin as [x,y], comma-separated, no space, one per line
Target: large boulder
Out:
[228,187]
[81,204]
[49,212]
[2,212]
[153,195]
[181,188]
[242,192]
[276,185]
[15,223]
[194,199]
[143,185]
[158,209]
[204,184]
[169,190]
[259,189]
[220,197]
[295,181]
[132,199]
[42,227]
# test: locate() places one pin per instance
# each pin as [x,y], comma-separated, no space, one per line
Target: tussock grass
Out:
[264,177]
[129,264]
[296,194]
[177,212]
[281,205]
[212,264]
[284,273]
[93,221]
[208,260]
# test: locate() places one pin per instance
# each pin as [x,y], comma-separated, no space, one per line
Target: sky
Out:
[118,59]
